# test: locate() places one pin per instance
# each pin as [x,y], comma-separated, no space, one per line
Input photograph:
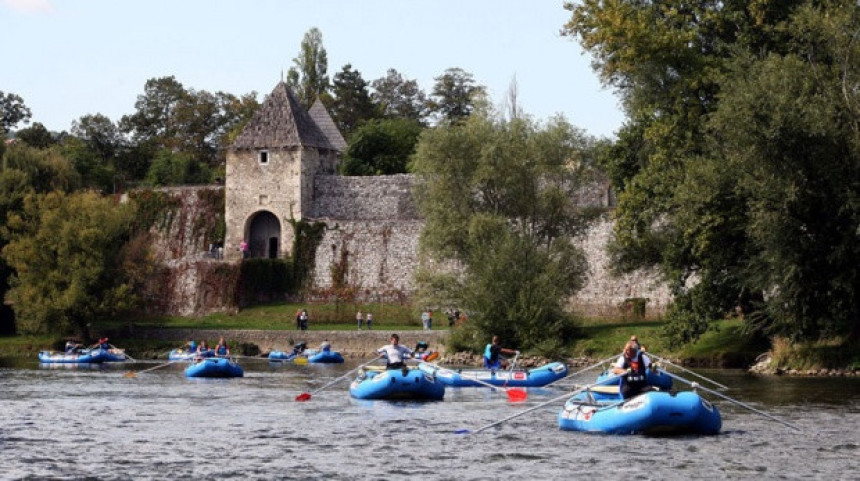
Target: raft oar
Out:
[596,364]
[666,361]
[514,394]
[572,393]
[696,385]
[305,396]
[134,374]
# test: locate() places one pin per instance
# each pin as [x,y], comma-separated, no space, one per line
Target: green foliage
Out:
[499,199]
[307,237]
[265,280]
[309,77]
[736,171]
[211,226]
[352,105]
[12,111]
[36,136]
[381,147]
[154,209]
[169,168]
[398,98]
[455,95]
[64,249]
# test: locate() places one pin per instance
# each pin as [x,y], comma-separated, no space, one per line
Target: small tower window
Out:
[264,157]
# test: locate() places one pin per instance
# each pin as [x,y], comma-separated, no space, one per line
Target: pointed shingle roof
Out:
[281,122]
[325,123]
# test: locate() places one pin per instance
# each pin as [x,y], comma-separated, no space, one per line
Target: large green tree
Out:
[381,147]
[737,166]
[352,104]
[65,250]
[499,200]
[309,75]
[398,97]
[455,95]
[12,111]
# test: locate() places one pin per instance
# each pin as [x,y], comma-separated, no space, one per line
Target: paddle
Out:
[596,364]
[696,385]
[514,394]
[715,383]
[134,374]
[513,366]
[305,396]
[558,398]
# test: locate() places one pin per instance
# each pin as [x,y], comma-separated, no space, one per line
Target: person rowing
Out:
[221,350]
[493,358]
[395,354]
[632,365]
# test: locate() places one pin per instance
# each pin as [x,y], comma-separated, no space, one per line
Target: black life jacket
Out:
[637,375]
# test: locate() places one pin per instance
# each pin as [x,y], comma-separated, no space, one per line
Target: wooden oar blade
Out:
[517,395]
[130,374]
[305,396]
[432,356]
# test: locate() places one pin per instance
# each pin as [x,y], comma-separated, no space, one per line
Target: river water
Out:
[96,423]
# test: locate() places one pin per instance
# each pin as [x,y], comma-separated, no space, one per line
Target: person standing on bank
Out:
[369,321]
[395,353]
[359,319]
[303,319]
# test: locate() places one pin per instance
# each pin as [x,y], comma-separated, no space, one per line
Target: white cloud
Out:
[29,6]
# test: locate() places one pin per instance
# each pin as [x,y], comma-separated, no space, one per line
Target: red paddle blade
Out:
[432,356]
[516,395]
[303,396]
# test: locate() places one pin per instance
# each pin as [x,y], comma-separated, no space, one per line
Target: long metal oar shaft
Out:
[666,361]
[596,364]
[555,399]
[696,385]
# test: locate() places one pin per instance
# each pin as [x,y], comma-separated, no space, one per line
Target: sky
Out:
[69,58]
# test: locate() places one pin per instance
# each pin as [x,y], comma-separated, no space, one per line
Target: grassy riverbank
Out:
[724,346]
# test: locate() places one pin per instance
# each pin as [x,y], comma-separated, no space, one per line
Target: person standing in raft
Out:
[631,367]
[493,355]
[395,353]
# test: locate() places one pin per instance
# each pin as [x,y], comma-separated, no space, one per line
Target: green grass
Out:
[283,317]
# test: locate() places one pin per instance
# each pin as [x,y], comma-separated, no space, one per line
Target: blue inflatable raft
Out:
[96,355]
[396,384]
[328,357]
[180,354]
[537,377]
[214,367]
[281,356]
[652,412]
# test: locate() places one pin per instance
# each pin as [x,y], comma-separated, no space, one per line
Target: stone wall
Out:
[604,295]
[385,198]
[356,344]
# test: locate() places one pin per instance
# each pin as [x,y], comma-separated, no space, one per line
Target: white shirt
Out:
[395,353]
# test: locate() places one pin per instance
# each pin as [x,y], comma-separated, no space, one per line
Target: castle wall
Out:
[273,187]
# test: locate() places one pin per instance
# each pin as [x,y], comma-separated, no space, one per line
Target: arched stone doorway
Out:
[264,235]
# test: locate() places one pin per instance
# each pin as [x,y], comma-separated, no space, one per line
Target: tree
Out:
[455,95]
[36,136]
[309,77]
[352,104]
[731,168]
[398,97]
[381,147]
[12,112]
[65,252]
[499,201]
[169,168]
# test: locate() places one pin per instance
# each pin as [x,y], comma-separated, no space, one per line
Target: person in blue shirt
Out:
[493,358]
[221,349]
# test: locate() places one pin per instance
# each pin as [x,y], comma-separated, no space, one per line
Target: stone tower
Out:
[270,172]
